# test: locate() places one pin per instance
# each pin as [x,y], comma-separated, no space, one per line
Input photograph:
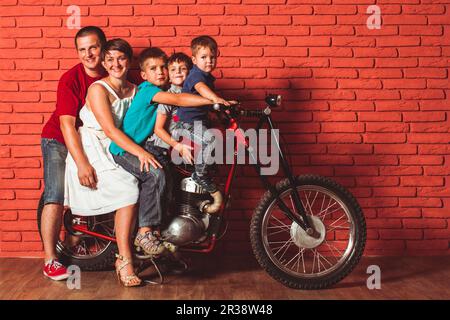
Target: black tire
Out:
[103,261]
[297,280]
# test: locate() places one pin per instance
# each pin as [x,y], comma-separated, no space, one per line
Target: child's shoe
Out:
[205,182]
[150,243]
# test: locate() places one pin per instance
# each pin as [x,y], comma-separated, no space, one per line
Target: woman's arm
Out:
[97,100]
[86,173]
[180,99]
[160,131]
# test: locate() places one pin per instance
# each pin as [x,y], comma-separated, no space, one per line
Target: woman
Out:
[114,189]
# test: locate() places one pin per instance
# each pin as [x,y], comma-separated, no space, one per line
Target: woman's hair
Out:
[83,32]
[180,57]
[119,45]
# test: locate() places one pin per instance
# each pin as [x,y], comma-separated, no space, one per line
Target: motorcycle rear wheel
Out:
[292,257]
[91,253]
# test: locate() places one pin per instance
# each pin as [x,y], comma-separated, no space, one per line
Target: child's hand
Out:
[145,158]
[185,151]
[221,101]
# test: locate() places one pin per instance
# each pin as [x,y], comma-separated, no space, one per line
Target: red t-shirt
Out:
[71,96]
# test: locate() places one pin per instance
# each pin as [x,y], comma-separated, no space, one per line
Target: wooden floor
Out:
[226,278]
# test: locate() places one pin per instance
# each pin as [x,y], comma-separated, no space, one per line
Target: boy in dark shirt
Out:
[200,81]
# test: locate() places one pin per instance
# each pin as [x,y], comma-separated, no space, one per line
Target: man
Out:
[60,135]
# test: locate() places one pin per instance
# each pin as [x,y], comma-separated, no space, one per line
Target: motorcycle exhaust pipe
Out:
[211,208]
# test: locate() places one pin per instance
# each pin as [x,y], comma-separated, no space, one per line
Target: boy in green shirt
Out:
[138,124]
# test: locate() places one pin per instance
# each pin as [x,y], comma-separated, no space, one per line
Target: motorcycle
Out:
[307,231]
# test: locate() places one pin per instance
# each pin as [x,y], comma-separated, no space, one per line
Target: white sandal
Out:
[127,280]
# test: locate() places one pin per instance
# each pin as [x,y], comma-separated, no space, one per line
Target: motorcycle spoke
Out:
[102,222]
[303,262]
[314,200]
[293,205]
[318,260]
[332,224]
[332,246]
[310,204]
[298,260]
[286,245]
[292,259]
[321,206]
[97,245]
[317,255]
[325,259]
[300,257]
[85,247]
[341,227]
[108,230]
[283,229]
[279,227]
[314,260]
[333,251]
[320,263]
[282,224]
[278,248]
[286,249]
[326,210]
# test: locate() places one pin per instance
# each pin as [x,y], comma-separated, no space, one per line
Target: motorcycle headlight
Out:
[273,100]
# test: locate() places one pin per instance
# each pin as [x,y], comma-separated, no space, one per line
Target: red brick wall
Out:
[367,107]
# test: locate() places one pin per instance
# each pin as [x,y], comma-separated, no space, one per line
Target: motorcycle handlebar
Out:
[252,113]
[243,112]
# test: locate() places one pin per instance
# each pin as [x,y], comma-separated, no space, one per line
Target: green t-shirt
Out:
[139,121]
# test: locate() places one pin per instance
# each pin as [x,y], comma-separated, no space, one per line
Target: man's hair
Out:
[83,32]
[152,52]
[119,45]
[203,42]
[180,57]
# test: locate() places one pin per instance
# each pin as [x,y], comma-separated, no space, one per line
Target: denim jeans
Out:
[54,155]
[152,188]
[163,157]
[198,133]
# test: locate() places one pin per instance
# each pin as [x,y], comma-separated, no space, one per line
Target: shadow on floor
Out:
[392,270]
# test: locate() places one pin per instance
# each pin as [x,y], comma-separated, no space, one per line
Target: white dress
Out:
[116,188]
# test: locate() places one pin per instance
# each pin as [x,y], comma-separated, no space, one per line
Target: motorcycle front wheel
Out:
[288,254]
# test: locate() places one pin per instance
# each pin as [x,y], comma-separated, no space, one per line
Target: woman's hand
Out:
[87,175]
[185,151]
[145,158]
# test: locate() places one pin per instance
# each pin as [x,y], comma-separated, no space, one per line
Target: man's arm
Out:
[86,173]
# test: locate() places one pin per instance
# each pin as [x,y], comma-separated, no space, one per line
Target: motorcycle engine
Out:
[191,223]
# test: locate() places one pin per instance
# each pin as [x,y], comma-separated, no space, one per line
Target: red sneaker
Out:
[55,270]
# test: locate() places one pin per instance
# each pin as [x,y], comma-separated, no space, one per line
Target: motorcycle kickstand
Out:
[161,277]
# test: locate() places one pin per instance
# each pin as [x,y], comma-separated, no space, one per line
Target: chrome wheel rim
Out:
[88,246]
[284,240]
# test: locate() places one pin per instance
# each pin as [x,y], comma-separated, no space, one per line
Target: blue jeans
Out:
[197,132]
[152,188]
[54,155]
